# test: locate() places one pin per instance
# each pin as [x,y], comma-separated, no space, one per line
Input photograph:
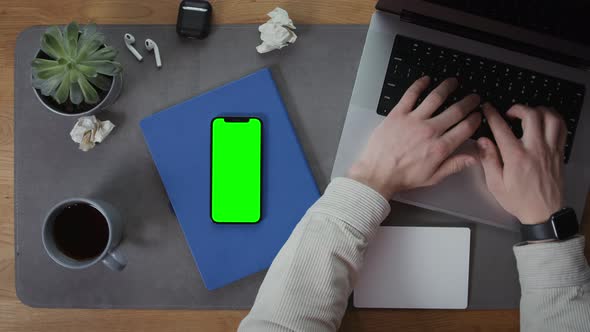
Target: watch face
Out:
[565,223]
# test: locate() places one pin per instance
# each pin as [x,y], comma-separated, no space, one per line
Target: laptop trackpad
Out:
[416,268]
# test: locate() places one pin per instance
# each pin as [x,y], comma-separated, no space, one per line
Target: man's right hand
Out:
[525,175]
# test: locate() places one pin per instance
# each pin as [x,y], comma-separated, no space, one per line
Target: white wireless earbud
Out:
[150,45]
[129,41]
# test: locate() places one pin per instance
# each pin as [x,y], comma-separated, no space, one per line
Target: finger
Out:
[408,101]
[502,133]
[491,163]
[436,98]
[563,133]
[555,130]
[462,131]
[532,122]
[457,112]
[454,164]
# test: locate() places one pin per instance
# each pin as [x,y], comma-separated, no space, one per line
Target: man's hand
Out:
[409,149]
[525,176]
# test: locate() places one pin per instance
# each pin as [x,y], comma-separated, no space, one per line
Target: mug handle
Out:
[115,260]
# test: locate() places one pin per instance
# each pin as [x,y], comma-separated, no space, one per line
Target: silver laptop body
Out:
[465,194]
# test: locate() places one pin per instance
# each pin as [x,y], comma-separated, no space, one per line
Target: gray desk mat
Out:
[315,77]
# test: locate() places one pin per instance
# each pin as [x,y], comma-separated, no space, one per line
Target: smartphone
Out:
[236,170]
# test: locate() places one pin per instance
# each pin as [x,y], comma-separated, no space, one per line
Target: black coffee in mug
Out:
[80,231]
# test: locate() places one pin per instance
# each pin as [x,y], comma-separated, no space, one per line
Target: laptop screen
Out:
[566,19]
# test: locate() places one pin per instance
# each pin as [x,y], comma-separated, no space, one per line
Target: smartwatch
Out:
[562,225]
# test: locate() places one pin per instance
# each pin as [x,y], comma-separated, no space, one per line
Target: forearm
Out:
[555,283]
[308,285]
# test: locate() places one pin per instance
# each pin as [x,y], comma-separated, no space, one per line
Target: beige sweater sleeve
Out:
[308,285]
[555,283]
[309,282]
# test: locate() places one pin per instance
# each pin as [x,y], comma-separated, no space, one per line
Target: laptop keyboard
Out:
[501,84]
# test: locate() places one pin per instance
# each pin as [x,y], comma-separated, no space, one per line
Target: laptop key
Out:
[516,126]
[483,130]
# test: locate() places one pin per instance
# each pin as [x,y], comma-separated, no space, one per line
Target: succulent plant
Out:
[75,63]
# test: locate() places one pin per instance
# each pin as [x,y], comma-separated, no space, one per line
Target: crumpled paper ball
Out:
[275,33]
[88,131]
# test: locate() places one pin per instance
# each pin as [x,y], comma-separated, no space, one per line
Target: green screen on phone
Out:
[236,174]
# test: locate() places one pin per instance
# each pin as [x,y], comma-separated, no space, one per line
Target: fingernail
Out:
[469,162]
[481,144]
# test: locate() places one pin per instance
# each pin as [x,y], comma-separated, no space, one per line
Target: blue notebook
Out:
[179,141]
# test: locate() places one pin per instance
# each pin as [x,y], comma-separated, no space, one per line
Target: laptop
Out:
[530,52]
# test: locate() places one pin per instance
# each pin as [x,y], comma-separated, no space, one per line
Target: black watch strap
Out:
[561,225]
[538,232]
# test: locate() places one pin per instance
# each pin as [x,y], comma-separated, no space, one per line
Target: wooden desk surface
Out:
[15,15]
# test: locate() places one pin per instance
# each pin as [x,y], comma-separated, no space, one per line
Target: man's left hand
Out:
[410,148]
